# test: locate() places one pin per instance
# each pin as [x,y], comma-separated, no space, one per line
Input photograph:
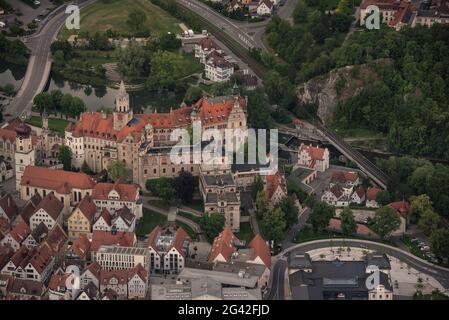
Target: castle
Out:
[142,141]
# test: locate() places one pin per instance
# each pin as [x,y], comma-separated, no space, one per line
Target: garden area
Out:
[113,15]
[57,125]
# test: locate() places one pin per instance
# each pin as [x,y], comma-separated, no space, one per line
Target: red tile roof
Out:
[344,176]
[5,227]
[21,255]
[140,271]
[208,43]
[402,207]
[58,180]
[179,237]
[106,216]
[121,275]
[360,192]
[51,205]
[273,182]
[87,208]
[57,238]
[126,191]
[6,253]
[371,193]
[95,269]
[42,258]
[20,232]
[315,153]
[261,250]
[58,281]
[123,239]
[214,110]
[8,205]
[81,246]
[223,244]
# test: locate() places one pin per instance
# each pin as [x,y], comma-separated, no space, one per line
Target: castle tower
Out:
[122,114]
[24,154]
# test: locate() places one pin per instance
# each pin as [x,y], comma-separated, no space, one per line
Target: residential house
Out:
[114,196]
[49,211]
[79,251]
[204,48]
[403,210]
[371,195]
[276,188]
[91,274]
[103,222]
[8,208]
[28,210]
[22,289]
[137,283]
[358,196]
[313,157]
[116,280]
[90,292]
[265,8]
[124,220]
[61,287]
[36,236]
[81,220]
[169,248]
[224,246]
[336,196]
[6,170]
[217,68]
[16,236]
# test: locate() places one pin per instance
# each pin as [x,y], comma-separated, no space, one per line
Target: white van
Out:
[2,24]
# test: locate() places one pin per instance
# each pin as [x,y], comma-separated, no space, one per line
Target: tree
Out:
[256,187]
[439,243]
[118,171]
[166,68]
[418,205]
[320,216]
[261,204]
[193,94]
[259,110]
[383,198]
[185,185]
[136,19]
[65,156]
[289,210]
[43,101]
[273,225]
[428,221]
[8,89]
[133,62]
[212,224]
[85,168]
[348,223]
[162,187]
[385,221]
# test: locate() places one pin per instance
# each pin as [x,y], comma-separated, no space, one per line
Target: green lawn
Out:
[245,233]
[196,204]
[94,57]
[190,64]
[149,221]
[189,216]
[113,14]
[57,125]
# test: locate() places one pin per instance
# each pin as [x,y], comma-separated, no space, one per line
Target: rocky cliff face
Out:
[324,92]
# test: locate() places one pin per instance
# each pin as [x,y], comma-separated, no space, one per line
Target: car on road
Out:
[2,24]
[36,3]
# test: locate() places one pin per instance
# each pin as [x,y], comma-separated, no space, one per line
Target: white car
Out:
[2,24]
[36,3]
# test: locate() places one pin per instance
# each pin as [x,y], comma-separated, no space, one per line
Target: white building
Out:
[313,157]
[217,68]
[49,211]
[168,247]
[113,257]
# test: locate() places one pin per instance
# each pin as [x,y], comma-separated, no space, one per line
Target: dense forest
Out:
[13,51]
[408,102]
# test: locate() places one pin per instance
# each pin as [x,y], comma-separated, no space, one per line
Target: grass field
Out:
[113,14]
[57,125]
[149,221]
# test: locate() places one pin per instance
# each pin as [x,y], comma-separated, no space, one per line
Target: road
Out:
[39,65]
[277,289]
[439,273]
[248,34]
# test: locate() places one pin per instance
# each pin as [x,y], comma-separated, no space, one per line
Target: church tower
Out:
[24,154]
[122,114]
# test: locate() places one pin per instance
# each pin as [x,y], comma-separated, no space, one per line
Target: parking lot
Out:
[28,13]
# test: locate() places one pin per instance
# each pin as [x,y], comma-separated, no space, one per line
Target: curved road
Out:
[247,34]
[439,273]
[39,65]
